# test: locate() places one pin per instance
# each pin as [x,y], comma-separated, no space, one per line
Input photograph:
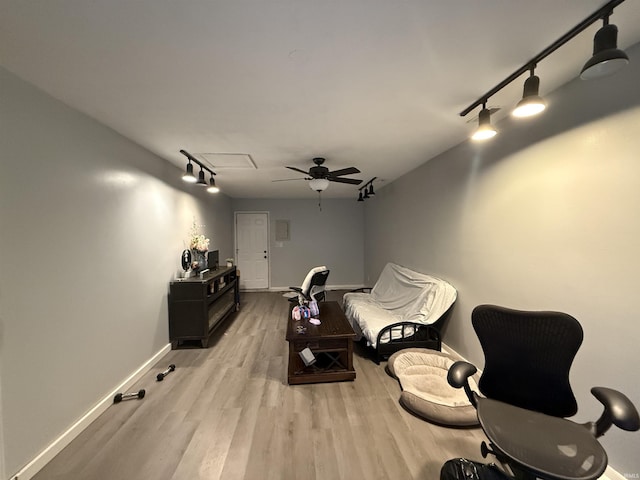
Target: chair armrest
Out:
[458,377]
[296,299]
[298,290]
[618,410]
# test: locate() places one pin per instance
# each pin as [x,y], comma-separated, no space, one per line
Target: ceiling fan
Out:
[319,176]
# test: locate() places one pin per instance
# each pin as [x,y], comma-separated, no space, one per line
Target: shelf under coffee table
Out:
[331,342]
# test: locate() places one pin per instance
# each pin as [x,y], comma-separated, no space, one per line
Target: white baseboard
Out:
[55,447]
[611,474]
[328,287]
[345,287]
[447,349]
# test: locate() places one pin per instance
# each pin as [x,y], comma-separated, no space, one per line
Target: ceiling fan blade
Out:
[351,181]
[344,171]
[297,170]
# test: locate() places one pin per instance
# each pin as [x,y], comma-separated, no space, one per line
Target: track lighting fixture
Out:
[188,176]
[212,186]
[485,130]
[371,192]
[201,181]
[366,190]
[532,103]
[606,59]
[191,178]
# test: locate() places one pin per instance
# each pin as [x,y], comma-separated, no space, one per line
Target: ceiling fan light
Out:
[188,176]
[532,103]
[607,57]
[485,130]
[318,184]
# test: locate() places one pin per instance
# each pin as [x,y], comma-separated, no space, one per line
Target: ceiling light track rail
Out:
[365,185]
[195,160]
[602,13]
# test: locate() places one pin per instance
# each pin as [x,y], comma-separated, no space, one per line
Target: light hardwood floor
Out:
[228,413]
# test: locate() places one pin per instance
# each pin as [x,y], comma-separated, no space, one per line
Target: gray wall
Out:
[545,217]
[92,227]
[332,237]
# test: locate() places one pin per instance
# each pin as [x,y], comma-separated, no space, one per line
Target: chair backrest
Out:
[528,356]
[314,283]
[318,282]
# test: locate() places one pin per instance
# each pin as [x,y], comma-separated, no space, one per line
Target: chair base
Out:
[463,469]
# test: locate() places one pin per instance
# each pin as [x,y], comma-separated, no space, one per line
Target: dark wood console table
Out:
[331,342]
[198,305]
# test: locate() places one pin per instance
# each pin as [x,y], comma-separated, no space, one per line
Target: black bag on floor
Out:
[463,469]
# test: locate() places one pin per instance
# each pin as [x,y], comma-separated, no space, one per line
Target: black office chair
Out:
[526,396]
[312,287]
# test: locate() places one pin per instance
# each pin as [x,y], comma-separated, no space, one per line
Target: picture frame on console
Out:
[213,259]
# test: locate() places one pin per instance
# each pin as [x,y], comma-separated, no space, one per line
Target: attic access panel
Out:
[222,161]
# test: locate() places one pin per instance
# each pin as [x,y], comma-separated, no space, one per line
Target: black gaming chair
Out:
[526,396]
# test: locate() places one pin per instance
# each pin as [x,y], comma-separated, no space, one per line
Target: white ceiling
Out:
[375,84]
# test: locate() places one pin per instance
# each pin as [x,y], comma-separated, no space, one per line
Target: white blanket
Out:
[399,295]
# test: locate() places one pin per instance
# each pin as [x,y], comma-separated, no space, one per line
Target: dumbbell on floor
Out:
[126,396]
[161,375]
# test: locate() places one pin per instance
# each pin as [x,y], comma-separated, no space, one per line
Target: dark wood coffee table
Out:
[331,343]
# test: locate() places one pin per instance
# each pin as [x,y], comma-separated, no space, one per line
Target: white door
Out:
[252,249]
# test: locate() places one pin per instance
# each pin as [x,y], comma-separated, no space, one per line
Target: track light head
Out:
[212,188]
[201,181]
[485,130]
[371,192]
[607,57]
[532,103]
[360,198]
[188,176]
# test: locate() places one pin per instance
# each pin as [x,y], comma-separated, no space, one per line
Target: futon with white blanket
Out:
[404,309]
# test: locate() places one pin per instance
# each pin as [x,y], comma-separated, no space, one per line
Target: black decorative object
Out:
[186,260]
